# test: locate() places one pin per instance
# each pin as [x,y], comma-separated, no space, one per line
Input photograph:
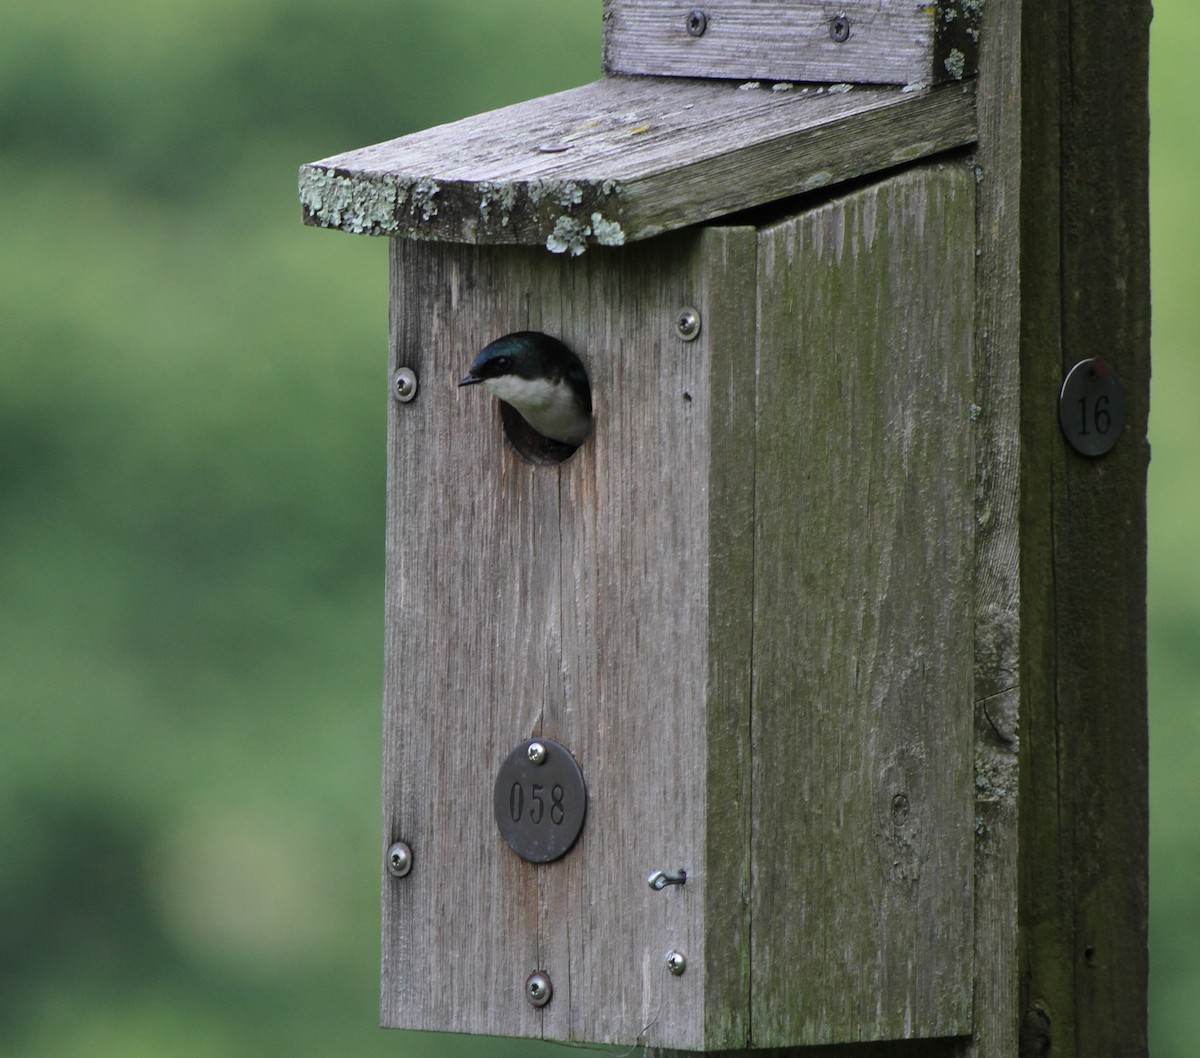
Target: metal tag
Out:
[540,800]
[1091,406]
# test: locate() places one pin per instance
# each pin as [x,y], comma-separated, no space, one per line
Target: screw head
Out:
[839,29]
[404,385]
[399,859]
[537,753]
[687,324]
[676,963]
[697,23]
[538,988]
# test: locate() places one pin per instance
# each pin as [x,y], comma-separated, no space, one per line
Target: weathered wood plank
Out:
[999,531]
[626,158]
[863,800]
[1100,526]
[471,641]
[862,41]
[728,302]
[1085,292]
[655,519]
[573,602]
[948,1047]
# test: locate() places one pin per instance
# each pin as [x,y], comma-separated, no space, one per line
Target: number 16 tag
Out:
[1091,407]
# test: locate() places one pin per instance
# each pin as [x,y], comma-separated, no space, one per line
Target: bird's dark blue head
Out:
[542,379]
[531,355]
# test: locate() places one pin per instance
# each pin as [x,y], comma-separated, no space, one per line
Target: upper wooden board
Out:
[625,158]
[863,41]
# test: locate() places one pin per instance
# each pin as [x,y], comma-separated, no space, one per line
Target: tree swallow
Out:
[542,379]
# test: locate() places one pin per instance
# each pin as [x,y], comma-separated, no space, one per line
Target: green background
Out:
[192,396]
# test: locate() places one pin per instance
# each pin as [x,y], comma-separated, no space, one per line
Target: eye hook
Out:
[659,880]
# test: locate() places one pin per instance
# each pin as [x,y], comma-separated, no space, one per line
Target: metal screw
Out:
[537,753]
[399,859]
[687,324]
[538,988]
[697,23]
[659,880]
[404,385]
[676,962]
[839,29]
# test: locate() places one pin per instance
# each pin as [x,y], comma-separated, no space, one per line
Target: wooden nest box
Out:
[705,735]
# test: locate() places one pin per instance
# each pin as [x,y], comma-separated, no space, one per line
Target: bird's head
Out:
[524,355]
[542,379]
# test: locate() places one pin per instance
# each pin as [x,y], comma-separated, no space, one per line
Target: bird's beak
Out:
[470,380]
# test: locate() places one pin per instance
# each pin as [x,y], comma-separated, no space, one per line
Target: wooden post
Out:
[827,609]
[1084,292]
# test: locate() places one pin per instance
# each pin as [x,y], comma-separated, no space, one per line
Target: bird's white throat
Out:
[549,407]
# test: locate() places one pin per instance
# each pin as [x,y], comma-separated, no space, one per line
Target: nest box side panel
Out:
[862,714]
[571,602]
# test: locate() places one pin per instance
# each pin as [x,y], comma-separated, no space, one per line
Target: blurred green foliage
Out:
[192,398]
[191,513]
[1174,530]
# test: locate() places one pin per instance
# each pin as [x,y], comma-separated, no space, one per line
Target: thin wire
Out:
[638,1040]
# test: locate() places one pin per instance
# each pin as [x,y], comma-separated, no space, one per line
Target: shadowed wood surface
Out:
[863,801]
[948,1047]
[861,41]
[998,531]
[625,158]
[574,602]
[1085,292]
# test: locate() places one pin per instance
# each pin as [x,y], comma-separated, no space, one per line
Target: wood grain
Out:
[1085,292]
[618,601]
[792,40]
[628,158]
[605,603]
[999,531]
[863,801]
